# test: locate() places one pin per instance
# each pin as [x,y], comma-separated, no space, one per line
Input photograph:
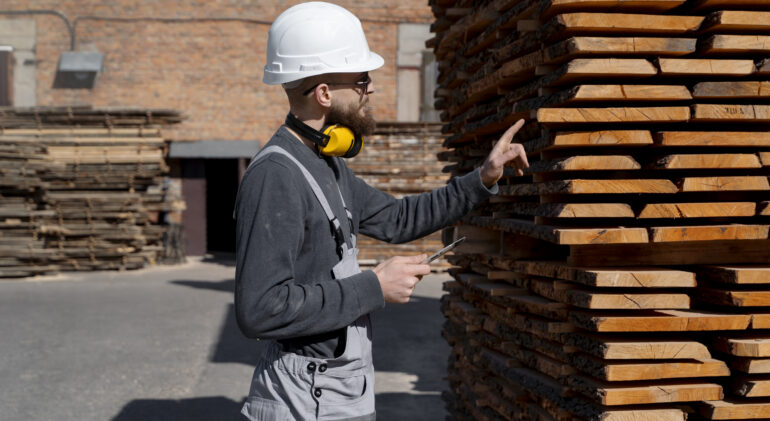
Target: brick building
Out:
[204,59]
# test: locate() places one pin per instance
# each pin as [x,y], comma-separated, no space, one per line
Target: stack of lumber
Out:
[542,339]
[740,290]
[400,159]
[625,275]
[84,116]
[21,166]
[84,197]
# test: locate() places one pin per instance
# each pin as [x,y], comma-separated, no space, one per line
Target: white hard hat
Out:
[316,38]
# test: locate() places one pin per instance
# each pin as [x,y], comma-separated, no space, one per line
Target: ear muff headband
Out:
[304,130]
[336,140]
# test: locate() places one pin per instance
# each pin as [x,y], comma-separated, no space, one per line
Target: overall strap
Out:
[336,226]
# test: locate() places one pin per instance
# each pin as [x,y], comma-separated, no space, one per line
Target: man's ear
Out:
[323,95]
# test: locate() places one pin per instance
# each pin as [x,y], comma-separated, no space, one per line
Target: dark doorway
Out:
[221,188]
[6,80]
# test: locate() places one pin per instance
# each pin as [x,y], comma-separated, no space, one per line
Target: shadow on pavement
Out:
[405,407]
[407,339]
[232,346]
[227,285]
[196,409]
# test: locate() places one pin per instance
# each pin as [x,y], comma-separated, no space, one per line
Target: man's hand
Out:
[504,152]
[398,276]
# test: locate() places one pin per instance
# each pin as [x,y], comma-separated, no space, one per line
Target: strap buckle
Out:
[339,236]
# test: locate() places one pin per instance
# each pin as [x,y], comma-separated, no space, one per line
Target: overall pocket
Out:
[260,409]
[351,398]
[344,391]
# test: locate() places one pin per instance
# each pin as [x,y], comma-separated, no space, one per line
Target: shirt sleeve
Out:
[270,301]
[386,218]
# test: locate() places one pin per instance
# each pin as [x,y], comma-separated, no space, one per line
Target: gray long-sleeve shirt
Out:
[285,251]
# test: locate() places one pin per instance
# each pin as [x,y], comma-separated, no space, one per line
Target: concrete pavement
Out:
[162,344]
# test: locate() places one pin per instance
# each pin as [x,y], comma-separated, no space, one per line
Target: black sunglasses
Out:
[363,84]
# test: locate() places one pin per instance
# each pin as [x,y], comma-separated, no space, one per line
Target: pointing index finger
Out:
[508,135]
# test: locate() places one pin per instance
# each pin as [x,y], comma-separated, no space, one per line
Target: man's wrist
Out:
[488,183]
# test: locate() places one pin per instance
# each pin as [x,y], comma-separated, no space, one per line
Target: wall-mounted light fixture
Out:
[78,69]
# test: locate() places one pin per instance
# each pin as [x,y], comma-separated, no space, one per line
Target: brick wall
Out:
[209,70]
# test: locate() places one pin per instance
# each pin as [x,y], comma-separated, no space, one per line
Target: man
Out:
[299,210]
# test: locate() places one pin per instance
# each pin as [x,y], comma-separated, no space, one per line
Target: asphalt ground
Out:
[162,344]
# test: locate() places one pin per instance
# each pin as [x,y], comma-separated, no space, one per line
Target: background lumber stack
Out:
[615,280]
[21,166]
[82,189]
[400,159]
[85,116]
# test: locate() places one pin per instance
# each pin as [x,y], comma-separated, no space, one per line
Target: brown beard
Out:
[349,117]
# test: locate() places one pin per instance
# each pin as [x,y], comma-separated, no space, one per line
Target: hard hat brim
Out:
[374,62]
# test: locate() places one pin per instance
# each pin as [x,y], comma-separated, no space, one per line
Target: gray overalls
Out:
[287,386]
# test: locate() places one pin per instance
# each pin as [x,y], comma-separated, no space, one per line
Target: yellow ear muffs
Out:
[342,142]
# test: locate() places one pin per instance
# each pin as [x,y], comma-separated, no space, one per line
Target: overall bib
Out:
[287,386]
